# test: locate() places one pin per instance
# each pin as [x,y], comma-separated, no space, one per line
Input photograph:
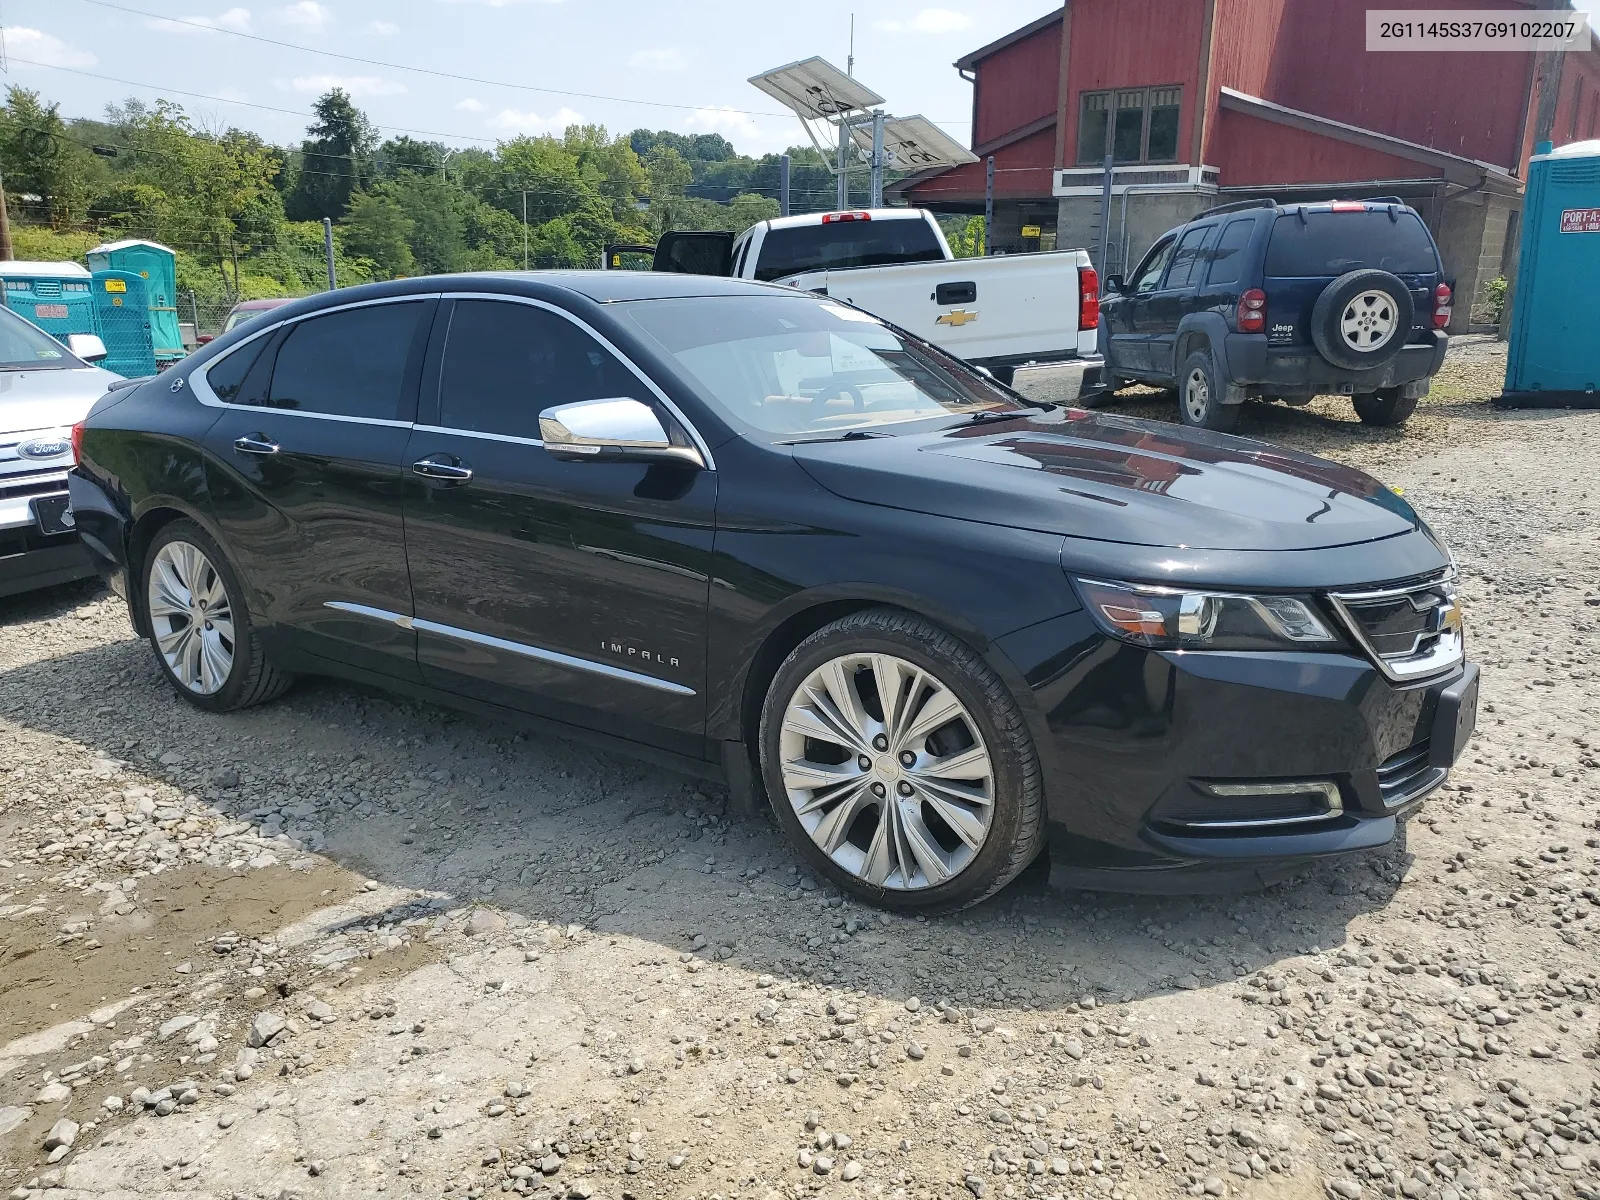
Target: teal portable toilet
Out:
[122,319]
[55,296]
[158,267]
[1554,357]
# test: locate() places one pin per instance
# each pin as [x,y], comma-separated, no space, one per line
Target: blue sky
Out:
[691,59]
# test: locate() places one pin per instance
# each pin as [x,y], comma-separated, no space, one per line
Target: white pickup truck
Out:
[1031,320]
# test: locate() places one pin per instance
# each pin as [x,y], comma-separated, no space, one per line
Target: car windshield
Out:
[786,368]
[24,347]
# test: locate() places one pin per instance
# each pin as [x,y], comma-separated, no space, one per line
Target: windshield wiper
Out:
[988,415]
[849,435]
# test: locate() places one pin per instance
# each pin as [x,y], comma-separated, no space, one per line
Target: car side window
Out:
[230,377]
[739,251]
[1150,270]
[350,363]
[505,362]
[1227,260]
[1191,248]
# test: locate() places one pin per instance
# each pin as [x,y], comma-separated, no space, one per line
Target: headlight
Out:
[1176,619]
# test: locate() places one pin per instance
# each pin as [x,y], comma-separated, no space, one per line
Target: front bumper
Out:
[1169,772]
[1300,371]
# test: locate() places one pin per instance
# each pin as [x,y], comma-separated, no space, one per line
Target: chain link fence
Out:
[203,315]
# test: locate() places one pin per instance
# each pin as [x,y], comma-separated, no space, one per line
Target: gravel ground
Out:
[345,945]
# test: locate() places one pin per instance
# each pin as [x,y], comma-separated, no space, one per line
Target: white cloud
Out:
[511,120]
[45,49]
[308,14]
[929,20]
[356,85]
[236,20]
[667,58]
[470,104]
[382,28]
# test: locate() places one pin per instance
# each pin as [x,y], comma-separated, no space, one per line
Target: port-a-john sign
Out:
[1580,220]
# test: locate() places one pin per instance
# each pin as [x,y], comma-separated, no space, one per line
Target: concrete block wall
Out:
[1150,214]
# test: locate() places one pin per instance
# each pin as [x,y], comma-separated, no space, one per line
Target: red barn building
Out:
[1205,101]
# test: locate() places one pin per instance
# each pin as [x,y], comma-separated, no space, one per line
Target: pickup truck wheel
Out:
[1384,407]
[1200,395]
[899,764]
[1362,319]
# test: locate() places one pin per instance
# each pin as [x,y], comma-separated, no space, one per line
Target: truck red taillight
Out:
[1252,315]
[77,442]
[830,218]
[1088,298]
[1441,305]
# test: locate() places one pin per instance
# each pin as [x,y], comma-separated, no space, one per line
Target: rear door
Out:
[574,590]
[1311,248]
[304,471]
[694,253]
[1166,307]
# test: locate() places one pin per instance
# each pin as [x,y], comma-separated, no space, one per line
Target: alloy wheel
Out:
[1369,321]
[1197,395]
[192,617]
[887,771]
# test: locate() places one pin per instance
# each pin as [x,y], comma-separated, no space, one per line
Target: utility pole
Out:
[1105,215]
[524,229]
[783,186]
[876,200]
[327,248]
[844,164]
[6,254]
[988,206]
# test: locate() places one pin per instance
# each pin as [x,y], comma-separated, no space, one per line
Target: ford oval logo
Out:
[44,448]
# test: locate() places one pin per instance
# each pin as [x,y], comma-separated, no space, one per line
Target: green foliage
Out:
[39,158]
[335,161]
[965,235]
[1492,302]
[377,227]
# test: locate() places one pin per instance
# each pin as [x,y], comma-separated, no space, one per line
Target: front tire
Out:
[899,764]
[204,640]
[1384,407]
[1200,396]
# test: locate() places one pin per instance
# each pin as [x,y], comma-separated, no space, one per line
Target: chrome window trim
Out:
[202,385]
[1449,652]
[539,653]
[677,413]
[449,431]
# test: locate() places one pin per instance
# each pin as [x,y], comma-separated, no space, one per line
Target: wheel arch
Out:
[1202,331]
[151,520]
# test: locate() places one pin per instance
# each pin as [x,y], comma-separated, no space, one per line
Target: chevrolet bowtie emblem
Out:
[956,317]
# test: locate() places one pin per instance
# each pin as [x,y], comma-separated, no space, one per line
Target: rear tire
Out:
[1384,407]
[1200,396]
[944,813]
[200,630]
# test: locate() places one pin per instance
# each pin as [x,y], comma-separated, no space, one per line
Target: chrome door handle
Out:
[441,466]
[255,443]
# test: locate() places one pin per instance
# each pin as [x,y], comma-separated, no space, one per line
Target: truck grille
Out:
[1411,631]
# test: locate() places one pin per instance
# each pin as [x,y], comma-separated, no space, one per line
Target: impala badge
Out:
[956,317]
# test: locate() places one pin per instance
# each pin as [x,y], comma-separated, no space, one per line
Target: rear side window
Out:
[1190,251]
[227,376]
[347,364]
[1331,243]
[504,363]
[846,244]
[1227,260]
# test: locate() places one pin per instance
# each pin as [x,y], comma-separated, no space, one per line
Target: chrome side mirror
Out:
[620,429]
[86,346]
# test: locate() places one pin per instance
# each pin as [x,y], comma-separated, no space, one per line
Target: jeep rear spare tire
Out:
[1362,319]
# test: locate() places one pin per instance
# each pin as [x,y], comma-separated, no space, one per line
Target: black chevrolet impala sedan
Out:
[761,536]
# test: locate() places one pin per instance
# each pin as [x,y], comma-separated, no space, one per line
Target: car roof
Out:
[603,287]
[263,304]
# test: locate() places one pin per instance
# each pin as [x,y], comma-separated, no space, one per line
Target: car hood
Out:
[49,399]
[1115,479]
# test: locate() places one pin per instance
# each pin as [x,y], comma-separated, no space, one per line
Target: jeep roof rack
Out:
[1383,200]
[1237,206]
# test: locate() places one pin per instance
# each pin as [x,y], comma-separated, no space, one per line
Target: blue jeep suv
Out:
[1283,302]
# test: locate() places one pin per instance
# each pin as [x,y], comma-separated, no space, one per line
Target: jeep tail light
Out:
[77,442]
[1088,298]
[1347,206]
[1441,306]
[830,218]
[1252,316]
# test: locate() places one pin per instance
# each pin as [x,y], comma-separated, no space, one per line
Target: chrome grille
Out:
[1411,631]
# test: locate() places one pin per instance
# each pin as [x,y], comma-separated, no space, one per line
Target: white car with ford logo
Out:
[45,389]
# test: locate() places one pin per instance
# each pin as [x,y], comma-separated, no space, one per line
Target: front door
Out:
[304,472]
[575,590]
[1128,319]
[1166,307]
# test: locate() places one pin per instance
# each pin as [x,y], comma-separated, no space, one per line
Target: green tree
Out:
[747,209]
[608,166]
[406,155]
[377,228]
[40,157]
[335,159]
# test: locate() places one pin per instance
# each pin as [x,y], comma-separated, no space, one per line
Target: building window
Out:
[1131,124]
